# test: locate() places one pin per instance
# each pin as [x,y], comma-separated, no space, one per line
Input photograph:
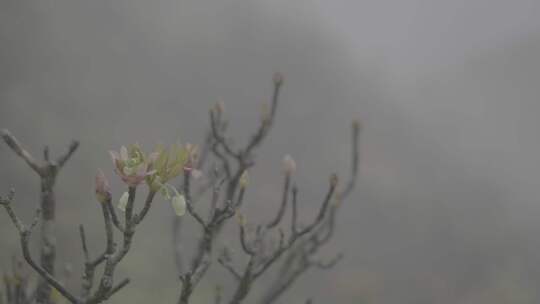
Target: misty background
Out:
[447,205]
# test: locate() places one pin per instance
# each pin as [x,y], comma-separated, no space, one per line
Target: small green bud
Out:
[244,180]
[242,221]
[178,203]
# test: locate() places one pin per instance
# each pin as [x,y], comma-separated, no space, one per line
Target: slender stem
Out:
[24,234]
[294,215]
[47,172]
[283,204]
[147,204]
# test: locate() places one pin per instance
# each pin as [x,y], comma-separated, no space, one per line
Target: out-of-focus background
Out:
[447,209]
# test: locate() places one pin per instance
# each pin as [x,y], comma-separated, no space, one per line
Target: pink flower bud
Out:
[103,190]
[219,107]
[289,165]
[132,165]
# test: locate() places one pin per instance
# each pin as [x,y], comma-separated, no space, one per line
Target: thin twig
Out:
[66,156]
[283,204]
[294,213]
[243,240]
[16,146]
[24,234]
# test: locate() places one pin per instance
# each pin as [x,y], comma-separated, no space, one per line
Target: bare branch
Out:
[65,157]
[216,189]
[147,204]
[266,122]
[227,265]
[355,134]
[298,261]
[244,241]
[83,243]
[329,264]
[294,215]
[46,154]
[189,201]
[89,267]
[118,287]
[178,244]
[24,234]
[35,220]
[204,151]
[224,161]
[299,248]
[48,172]
[114,217]
[283,204]
[219,138]
[128,214]
[113,257]
[16,146]
[6,203]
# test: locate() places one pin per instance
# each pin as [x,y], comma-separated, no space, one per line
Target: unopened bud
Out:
[244,180]
[356,124]
[289,165]
[242,221]
[333,180]
[277,79]
[178,203]
[103,190]
[219,107]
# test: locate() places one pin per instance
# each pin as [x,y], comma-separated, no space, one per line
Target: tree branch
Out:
[17,147]
[283,204]
[24,234]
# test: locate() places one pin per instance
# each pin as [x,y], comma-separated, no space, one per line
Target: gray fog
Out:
[447,206]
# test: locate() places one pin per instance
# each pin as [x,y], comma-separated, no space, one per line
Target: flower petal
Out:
[150,173]
[114,156]
[128,171]
[140,170]
[124,153]
[153,157]
[103,191]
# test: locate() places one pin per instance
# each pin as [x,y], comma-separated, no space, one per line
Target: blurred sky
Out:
[447,205]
